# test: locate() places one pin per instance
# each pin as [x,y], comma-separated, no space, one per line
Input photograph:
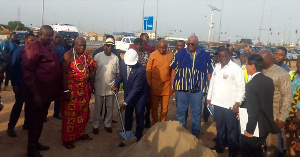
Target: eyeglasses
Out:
[188,44]
[109,45]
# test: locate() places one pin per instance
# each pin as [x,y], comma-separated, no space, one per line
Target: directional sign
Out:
[148,23]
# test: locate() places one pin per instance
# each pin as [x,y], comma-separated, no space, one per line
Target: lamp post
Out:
[143,17]
[156,21]
[42,12]
[211,24]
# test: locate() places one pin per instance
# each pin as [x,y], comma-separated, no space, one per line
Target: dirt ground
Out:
[103,145]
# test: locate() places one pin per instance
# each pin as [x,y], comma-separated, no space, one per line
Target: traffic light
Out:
[270,29]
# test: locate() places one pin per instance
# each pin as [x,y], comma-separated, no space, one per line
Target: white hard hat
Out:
[131,57]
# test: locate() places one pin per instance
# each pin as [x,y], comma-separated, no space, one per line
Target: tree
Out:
[12,25]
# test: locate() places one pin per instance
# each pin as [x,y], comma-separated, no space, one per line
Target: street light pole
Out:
[143,17]
[42,12]
[220,23]
[156,20]
[211,24]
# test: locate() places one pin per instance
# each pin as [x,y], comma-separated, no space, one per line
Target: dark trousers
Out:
[139,112]
[205,111]
[37,115]
[226,124]
[56,107]
[7,75]
[16,111]
[148,108]
[251,146]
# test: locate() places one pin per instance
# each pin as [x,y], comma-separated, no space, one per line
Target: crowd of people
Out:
[43,71]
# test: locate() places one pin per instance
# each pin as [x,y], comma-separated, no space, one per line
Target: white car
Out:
[124,44]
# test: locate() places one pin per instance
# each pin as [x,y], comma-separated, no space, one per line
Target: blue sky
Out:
[240,18]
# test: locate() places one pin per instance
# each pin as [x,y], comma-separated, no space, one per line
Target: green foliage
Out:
[12,25]
[121,87]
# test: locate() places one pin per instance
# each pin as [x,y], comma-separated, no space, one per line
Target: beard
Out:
[279,63]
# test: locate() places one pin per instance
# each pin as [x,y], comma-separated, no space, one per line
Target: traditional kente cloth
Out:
[296,94]
[75,114]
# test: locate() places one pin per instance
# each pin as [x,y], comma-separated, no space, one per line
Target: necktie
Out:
[128,71]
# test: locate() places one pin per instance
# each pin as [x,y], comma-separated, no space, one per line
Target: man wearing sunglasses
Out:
[107,71]
[191,69]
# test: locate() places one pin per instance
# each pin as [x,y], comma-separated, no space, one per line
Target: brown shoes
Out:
[108,129]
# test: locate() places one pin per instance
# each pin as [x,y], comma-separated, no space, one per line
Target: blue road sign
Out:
[148,23]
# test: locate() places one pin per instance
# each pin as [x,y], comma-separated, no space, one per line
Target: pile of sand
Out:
[168,139]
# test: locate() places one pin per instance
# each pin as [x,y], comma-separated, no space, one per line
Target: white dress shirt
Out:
[227,85]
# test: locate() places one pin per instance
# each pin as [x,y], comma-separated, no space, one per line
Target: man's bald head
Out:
[268,58]
[80,45]
[162,46]
[46,34]
[192,43]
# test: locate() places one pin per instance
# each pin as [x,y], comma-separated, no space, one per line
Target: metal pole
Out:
[143,17]
[42,12]
[270,27]
[156,20]
[210,25]
[261,22]
[220,23]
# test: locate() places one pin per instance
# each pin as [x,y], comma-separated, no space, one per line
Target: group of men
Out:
[149,77]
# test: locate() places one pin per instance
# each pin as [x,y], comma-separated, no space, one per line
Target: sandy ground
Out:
[104,144]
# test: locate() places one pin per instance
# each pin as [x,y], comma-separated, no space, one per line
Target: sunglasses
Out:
[109,45]
[188,44]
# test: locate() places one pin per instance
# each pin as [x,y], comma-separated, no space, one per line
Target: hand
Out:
[296,145]
[16,89]
[292,126]
[122,107]
[247,48]
[93,89]
[238,116]
[280,123]
[67,96]
[172,91]
[247,134]
[236,107]
[233,46]
[115,89]
[208,102]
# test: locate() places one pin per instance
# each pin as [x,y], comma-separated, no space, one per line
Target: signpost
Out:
[148,23]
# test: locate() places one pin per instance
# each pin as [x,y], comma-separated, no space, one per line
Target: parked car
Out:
[257,48]
[152,42]
[208,50]
[124,44]
[294,54]
[271,49]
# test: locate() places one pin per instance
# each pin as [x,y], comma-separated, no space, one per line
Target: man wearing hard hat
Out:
[133,75]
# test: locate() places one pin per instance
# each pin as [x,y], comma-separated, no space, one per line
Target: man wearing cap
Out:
[106,73]
[133,76]
[109,38]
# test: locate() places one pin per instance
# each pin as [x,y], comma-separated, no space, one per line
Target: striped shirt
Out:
[191,71]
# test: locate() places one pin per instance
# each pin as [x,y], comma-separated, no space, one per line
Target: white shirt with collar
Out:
[250,77]
[227,85]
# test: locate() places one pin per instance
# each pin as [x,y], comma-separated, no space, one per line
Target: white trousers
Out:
[109,101]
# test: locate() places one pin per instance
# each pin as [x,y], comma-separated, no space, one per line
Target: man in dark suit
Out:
[133,75]
[259,104]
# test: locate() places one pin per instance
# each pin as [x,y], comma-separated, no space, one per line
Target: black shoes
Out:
[95,131]
[11,133]
[122,144]
[34,154]
[42,147]
[58,116]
